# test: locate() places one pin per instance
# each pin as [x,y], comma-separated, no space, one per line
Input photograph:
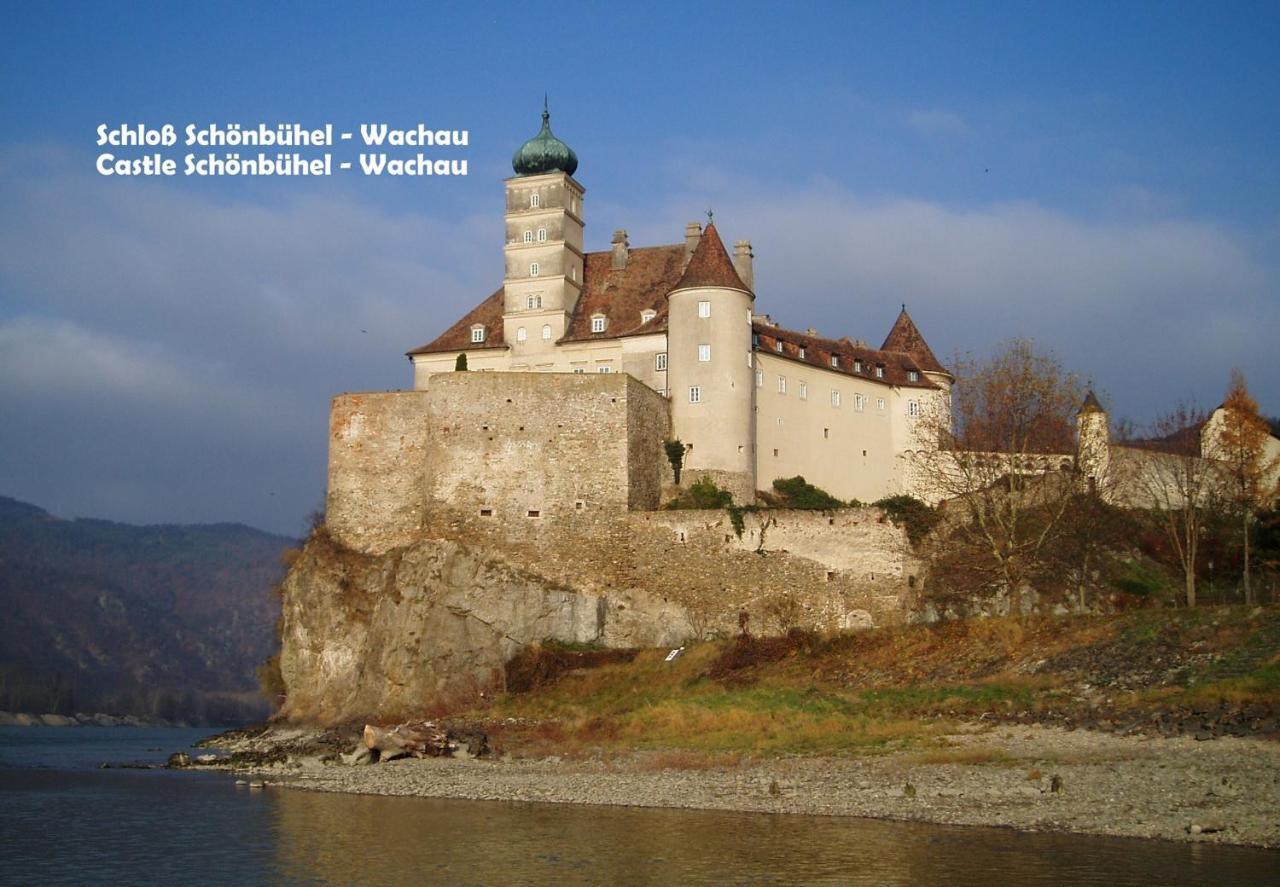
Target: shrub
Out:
[799,493]
[911,514]
[703,494]
[460,365]
[675,455]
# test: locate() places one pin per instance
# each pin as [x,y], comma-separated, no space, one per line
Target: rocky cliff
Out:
[386,633]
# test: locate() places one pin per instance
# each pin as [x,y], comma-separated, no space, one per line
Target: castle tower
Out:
[905,337]
[710,368]
[543,251]
[1093,454]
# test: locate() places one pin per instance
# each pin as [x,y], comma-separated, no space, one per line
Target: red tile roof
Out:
[458,337]
[906,337]
[819,351]
[710,264]
[619,294]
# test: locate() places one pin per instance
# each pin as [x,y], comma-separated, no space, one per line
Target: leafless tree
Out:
[1006,463]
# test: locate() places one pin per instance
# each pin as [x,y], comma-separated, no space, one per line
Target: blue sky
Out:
[1101,177]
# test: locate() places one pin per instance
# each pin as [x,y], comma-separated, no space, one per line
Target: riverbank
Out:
[1027,777]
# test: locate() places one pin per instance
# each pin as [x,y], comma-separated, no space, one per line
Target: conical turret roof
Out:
[710,265]
[905,338]
[1091,404]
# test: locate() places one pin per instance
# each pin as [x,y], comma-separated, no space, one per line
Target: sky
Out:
[1100,177]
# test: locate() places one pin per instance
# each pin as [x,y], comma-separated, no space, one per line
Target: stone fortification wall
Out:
[845,569]
[511,447]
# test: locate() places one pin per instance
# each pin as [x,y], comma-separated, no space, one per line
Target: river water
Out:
[64,821]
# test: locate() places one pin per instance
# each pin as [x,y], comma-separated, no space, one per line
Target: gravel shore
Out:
[1033,778]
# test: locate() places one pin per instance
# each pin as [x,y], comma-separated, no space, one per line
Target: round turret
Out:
[544,153]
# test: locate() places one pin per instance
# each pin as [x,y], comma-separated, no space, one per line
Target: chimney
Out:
[742,257]
[620,247]
[692,234]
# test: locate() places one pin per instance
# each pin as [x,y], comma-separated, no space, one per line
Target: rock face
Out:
[381,635]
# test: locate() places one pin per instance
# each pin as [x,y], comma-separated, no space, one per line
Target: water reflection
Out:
[343,839]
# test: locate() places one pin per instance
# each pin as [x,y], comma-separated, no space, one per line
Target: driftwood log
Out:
[418,739]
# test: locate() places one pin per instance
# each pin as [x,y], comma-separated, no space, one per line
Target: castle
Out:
[750,400]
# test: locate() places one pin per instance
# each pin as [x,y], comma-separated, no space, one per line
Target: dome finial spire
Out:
[544,152]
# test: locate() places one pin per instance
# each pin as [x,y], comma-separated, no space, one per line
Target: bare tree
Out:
[1238,437]
[1165,475]
[1005,466]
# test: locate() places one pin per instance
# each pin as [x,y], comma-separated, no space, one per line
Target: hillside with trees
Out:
[165,621]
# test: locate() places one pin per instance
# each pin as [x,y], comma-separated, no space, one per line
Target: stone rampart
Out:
[509,447]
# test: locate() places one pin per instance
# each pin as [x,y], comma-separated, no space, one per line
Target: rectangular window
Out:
[704,309]
[603,370]
[782,384]
[826,433]
[660,361]
[857,366]
[704,353]
[802,354]
[879,371]
[859,402]
[535,201]
[879,403]
[913,408]
[759,378]
[528,237]
[777,346]
[542,235]
[579,370]
[835,361]
[597,324]
[533,269]
[477,334]
[804,390]
[913,376]
[835,398]
[695,394]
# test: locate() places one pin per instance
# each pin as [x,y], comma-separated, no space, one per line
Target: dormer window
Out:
[913,376]
[477,334]
[535,200]
[802,354]
[857,365]
[598,323]
[528,237]
[879,371]
[777,346]
[835,362]
[533,269]
[647,315]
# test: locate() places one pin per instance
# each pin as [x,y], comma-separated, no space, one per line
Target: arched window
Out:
[521,334]
[546,332]
[533,269]
[542,235]
[528,237]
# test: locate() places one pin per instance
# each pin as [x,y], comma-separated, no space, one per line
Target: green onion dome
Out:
[544,153]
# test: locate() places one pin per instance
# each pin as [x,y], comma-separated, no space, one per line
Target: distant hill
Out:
[160,621]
